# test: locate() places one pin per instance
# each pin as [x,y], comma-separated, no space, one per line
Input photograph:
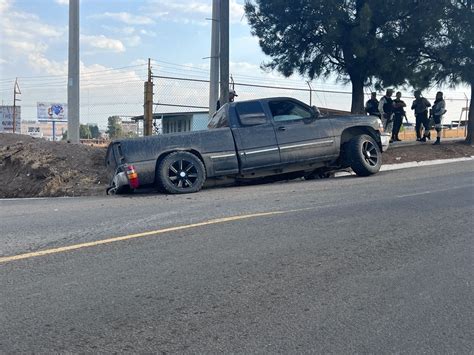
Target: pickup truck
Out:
[270,137]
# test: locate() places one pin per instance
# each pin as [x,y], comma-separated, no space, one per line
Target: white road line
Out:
[434,191]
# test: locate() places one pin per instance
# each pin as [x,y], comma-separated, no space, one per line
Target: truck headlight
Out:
[381,129]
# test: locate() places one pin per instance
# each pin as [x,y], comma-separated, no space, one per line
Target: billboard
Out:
[6,119]
[51,111]
[31,128]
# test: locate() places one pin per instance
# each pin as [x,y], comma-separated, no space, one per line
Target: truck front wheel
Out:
[180,173]
[364,155]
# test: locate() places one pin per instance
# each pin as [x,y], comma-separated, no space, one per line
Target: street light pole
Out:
[73,73]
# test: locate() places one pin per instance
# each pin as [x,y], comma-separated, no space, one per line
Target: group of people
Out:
[392,111]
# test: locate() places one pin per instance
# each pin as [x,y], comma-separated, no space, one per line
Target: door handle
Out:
[282,128]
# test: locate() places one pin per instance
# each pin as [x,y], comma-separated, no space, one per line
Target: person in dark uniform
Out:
[398,114]
[372,105]
[420,105]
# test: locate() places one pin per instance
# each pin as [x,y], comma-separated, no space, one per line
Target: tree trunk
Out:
[470,122]
[357,105]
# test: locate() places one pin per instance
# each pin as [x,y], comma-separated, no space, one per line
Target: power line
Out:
[82,74]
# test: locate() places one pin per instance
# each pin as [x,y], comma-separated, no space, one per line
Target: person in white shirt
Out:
[386,110]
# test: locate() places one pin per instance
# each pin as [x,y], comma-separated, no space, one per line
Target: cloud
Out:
[62,2]
[192,12]
[4,5]
[21,26]
[103,42]
[125,17]
[25,38]
[148,33]
[129,31]
[133,41]
[41,64]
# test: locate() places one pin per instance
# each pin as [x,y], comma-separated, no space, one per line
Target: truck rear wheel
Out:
[364,155]
[180,173]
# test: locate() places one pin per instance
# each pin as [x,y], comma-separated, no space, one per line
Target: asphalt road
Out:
[348,265]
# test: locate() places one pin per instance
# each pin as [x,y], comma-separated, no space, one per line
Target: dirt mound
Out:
[32,167]
[426,151]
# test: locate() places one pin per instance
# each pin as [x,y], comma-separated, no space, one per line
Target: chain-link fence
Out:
[188,94]
[177,89]
[103,93]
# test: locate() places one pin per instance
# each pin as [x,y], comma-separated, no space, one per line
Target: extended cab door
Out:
[255,137]
[300,135]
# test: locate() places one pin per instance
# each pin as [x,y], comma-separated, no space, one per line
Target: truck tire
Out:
[180,173]
[364,155]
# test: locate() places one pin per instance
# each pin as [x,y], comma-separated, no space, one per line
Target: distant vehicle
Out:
[273,137]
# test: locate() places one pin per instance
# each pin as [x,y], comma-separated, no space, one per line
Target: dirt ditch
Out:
[32,167]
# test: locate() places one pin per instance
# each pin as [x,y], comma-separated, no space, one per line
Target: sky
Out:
[116,38]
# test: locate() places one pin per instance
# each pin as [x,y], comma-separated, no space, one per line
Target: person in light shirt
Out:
[437,112]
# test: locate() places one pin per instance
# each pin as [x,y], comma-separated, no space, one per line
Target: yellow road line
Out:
[138,235]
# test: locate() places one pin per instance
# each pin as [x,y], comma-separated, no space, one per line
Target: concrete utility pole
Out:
[214,76]
[73,92]
[148,107]
[224,51]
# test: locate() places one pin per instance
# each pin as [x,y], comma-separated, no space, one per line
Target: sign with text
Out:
[48,112]
[6,119]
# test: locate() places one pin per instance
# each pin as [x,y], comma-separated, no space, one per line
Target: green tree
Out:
[84,132]
[447,51]
[95,133]
[362,41]
[114,127]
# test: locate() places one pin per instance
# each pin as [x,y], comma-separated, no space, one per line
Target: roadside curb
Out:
[412,143]
[414,164]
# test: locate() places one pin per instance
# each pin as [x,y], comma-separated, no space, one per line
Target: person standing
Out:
[372,105]
[386,110]
[438,110]
[420,106]
[232,96]
[398,114]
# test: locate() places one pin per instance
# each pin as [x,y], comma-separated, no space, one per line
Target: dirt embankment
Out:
[32,167]
[427,151]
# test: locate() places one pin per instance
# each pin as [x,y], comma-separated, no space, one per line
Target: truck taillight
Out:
[132,177]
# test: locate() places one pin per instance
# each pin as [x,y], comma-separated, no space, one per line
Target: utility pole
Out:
[16,91]
[214,72]
[224,51]
[73,92]
[148,107]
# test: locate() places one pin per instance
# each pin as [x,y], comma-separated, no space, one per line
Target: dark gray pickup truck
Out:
[247,140]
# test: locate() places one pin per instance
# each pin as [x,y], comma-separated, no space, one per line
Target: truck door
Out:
[300,136]
[255,137]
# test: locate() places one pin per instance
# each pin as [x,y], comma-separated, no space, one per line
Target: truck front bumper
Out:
[385,140]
